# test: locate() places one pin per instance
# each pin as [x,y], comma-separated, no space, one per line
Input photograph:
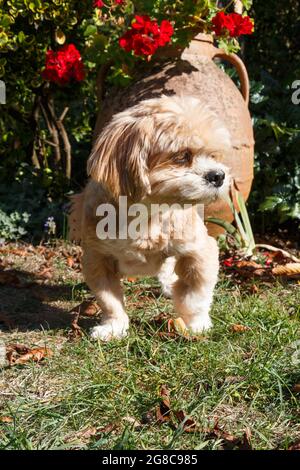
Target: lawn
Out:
[235,387]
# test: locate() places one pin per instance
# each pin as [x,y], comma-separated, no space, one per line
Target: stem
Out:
[66,141]
[100,80]
[52,129]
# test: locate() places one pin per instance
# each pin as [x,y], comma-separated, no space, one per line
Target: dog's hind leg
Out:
[167,276]
[104,281]
[193,292]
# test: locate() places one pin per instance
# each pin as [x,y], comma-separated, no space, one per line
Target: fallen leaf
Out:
[70,261]
[76,332]
[19,354]
[18,252]
[189,425]
[178,326]
[254,289]
[295,446]
[6,419]
[88,308]
[160,319]
[239,328]
[248,265]
[46,272]
[229,440]
[163,412]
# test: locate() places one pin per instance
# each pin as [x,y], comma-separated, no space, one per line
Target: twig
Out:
[52,129]
[66,141]
[101,76]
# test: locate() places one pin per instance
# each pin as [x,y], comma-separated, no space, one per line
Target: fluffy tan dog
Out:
[162,151]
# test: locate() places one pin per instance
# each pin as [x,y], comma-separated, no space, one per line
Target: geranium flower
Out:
[98,4]
[101,4]
[232,24]
[146,35]
[64,65]
[242,24]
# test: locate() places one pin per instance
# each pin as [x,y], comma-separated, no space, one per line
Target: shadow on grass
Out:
[30,304]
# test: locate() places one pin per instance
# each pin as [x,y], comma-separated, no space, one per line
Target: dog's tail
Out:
[75,217]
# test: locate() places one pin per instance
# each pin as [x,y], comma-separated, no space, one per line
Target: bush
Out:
[273,60]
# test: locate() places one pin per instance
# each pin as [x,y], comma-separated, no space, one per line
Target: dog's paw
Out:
[116,328]
[199,324]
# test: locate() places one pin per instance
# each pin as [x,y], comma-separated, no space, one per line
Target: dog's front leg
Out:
[102,278]
[193,291]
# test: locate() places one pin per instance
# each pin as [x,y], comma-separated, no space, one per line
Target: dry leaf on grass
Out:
[296,388]
[86,308]
[86,434]
[46,272]
[176,329]
[76,332]
[163,412]
[188,424]
[239,328]
[229,440]
[290,270]
[70,261]
[6,419]
[178,326]
[18,354]
[295,446]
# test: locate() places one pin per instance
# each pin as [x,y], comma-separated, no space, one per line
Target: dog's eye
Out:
[183,157]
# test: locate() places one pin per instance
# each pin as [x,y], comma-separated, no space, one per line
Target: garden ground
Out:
[235,387]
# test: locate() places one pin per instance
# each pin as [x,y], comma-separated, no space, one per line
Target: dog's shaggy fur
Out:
[164,150]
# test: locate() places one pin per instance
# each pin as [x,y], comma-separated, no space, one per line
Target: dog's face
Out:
[168,149]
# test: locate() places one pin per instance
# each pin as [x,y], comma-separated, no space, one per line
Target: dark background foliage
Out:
[33,182]
[272,57]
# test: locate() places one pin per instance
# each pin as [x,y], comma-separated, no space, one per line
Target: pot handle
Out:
[241,70]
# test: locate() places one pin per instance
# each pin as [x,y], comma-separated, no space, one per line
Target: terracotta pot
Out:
[195,73]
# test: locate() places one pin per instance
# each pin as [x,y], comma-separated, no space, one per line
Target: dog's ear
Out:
[119,157]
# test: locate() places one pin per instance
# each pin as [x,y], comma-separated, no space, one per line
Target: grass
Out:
[103,396]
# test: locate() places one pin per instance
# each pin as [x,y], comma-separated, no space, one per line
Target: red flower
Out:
[143,45]
[222,23]
[165,33]
[233,23]
[228,262]
[145,36]
[64,65]
[242,24]
[101,4]
[98,4]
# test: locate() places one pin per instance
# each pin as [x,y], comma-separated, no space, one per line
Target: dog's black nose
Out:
[216,178]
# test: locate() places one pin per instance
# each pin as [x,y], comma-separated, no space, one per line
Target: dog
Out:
[165,150]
